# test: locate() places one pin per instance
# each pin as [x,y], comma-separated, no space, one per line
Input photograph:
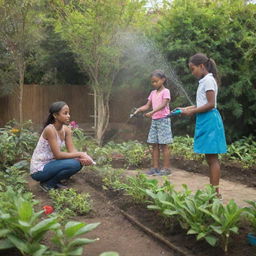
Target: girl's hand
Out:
[85,159]
[149,114]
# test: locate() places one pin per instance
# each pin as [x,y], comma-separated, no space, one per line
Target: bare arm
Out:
[68,141]
[210,95]
[51,136]
[144,107]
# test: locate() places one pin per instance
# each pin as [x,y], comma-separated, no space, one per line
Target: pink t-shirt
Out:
[157,99]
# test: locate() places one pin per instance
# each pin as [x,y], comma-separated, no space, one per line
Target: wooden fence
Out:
[38,98]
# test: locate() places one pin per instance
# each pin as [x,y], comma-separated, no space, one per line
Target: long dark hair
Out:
[159,73]
[209,64]
[54,108]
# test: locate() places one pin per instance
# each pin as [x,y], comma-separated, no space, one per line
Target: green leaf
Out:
[109,254]
[4,232]
[81,241]
[25,210]
[200,235]
[41,251]
[211,240]
[77,252]
[73,228]
[216,229]
[44,226]
[192,232]
[153,207]
[170,212]
[6,244]
[20,244]
[234,229]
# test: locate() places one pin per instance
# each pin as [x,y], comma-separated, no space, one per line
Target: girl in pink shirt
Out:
[160,134]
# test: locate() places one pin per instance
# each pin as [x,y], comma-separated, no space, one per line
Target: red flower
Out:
[48,209]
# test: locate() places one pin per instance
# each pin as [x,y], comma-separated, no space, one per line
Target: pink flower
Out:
[73,124]
[48,209]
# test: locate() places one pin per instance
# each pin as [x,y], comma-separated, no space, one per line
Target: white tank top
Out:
[43,153]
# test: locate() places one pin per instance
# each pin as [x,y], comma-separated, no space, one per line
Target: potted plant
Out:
[251,214]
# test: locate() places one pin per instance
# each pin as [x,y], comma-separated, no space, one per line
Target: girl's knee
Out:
[211,158]
[73,164]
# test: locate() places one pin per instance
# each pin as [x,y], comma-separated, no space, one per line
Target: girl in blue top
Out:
[209,138]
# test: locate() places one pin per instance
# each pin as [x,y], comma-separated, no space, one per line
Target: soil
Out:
[229,171]
[118,234]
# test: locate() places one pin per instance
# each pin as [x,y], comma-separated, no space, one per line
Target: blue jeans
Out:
[57,170]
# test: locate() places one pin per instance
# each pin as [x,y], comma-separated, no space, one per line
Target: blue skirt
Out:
[209,133]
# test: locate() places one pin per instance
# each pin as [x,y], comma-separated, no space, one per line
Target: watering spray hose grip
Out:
[175,112]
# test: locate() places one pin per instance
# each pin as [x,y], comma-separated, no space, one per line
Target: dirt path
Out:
[115,232]
[229,190]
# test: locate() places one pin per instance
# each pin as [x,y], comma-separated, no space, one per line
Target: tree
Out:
[19,23]
[91,29]
[225,30]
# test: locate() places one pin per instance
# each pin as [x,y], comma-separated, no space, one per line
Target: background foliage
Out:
[225,31]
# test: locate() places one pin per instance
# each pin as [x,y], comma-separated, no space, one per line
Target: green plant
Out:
[251,214]
[67,241]
[68,202]
[14,176]
[21,227]
[194,216]
[109,254]
[224,220]
[169,202]
[83,142]
[183,146]
[136,187]
[134,152]
[16,143]
[111,178]
[243,151]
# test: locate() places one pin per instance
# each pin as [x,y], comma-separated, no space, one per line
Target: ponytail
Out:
[209,64]
[54,108]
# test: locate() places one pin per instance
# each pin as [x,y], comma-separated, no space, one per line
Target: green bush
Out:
[68,202]
[25,229]
[16,143]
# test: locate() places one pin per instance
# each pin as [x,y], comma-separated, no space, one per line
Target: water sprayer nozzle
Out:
[175,112]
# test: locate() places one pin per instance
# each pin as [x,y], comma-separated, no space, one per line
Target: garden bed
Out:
[177,236]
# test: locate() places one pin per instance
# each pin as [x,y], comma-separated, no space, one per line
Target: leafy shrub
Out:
[68,202]
[14,176]
[183,147]
[137,186]
[16,143]
[243,151]
[83,142]
[251,214]
[133,152]
[23,228]
[111,178]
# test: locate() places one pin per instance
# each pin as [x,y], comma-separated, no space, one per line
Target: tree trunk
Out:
[21,88]
[102,107]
